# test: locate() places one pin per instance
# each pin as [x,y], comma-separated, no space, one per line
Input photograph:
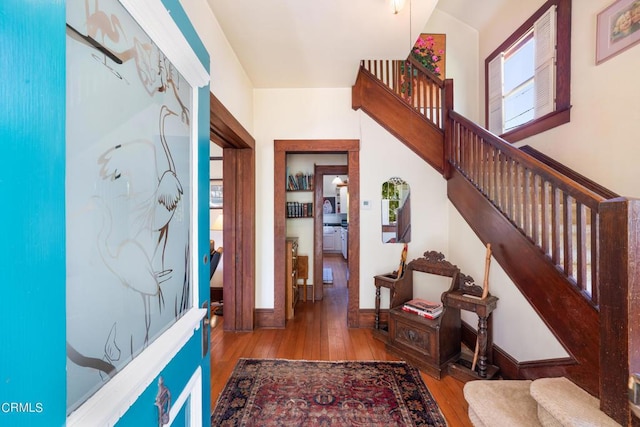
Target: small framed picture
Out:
[618,29]
[329,205]
[215,194]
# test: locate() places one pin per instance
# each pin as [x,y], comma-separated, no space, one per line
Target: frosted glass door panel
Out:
[128,194]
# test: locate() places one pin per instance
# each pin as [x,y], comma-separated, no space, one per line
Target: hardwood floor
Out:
[319,332]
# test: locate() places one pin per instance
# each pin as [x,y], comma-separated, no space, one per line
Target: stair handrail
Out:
[576,190]
[537,199]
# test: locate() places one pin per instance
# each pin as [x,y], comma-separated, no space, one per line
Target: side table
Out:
[398,294]
[483,308]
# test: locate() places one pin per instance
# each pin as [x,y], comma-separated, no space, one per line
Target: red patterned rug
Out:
[278,392]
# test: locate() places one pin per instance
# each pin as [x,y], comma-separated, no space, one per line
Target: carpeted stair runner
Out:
[549,402]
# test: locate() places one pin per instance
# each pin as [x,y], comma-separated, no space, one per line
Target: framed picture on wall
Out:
[618,29]
[215,194]
[329,205]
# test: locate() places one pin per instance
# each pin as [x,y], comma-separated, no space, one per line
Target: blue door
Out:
[155,361]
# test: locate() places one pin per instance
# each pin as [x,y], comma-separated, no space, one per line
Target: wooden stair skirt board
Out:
[542,402]
[538,279]
[383,106]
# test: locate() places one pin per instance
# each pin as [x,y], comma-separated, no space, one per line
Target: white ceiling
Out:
[475,13]
[319,43]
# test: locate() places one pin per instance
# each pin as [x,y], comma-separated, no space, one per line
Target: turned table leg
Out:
[482,347]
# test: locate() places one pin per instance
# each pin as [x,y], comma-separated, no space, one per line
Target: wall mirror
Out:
[396,211]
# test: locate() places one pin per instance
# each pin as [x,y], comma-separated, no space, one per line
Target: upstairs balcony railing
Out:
[414,84]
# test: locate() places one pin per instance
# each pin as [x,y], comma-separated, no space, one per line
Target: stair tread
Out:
[569,404]
[510,402]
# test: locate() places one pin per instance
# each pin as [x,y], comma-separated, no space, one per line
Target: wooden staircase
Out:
[566,243]
[416,119]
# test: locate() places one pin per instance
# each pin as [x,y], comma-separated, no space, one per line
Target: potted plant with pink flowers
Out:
[424,51]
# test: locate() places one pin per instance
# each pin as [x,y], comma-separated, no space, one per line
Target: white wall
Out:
[327,114]
[229,82]
[382,156]
[290,114]
[461,57]
[517,328]
[601,141]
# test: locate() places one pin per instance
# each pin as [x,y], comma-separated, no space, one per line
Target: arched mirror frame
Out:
[396,211]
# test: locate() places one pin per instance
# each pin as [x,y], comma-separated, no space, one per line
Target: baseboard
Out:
[367,317]
[265,318]
[511,369]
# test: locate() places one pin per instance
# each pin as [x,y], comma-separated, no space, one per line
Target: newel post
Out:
[448,106]
[619,249]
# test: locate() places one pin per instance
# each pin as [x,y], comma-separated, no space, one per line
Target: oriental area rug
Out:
[279,392]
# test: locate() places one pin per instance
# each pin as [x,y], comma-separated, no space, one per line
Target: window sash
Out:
[519,63]
[556,88]
[515,115]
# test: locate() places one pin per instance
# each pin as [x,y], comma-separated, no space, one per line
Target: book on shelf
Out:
[299,210]
[299,181]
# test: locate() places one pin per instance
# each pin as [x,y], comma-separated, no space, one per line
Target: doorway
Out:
[351,148]
[239,216]
[331,231]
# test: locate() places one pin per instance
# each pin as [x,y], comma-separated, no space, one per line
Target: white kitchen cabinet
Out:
[331,239]
[337,239]
[344,235]
[344,199]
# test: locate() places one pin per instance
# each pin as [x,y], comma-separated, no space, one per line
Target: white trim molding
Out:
[156,21]
[193,392]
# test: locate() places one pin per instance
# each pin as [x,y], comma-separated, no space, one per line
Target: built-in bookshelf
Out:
[299,210]
[299,183]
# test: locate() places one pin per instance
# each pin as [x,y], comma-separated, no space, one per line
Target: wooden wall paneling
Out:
[238,256]
[245,225]
[353,249]
[232,312]
[279,233]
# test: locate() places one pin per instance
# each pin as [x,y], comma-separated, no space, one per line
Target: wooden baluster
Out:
[595,256]
[568,234]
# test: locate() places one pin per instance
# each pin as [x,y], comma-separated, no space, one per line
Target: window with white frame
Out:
[523,75]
